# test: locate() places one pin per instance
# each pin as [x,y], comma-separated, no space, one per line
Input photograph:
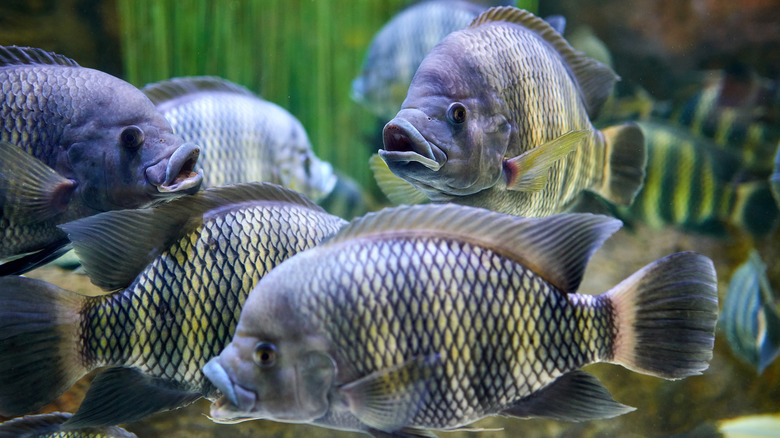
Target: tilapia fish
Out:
[243,138]
[51,426]
[694,184]
[76,142]
[498,116]
[400,46]
[434,316]
[186,268]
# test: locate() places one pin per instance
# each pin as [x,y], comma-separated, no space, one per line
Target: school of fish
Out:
[192,204]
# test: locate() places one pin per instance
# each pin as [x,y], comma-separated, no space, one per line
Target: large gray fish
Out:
[434,316]
[243,138]
[498,116]
[51,426]
[75,142]
[400,46]
[185,268]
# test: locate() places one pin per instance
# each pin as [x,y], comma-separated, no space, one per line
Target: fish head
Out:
[124,154]
[271,371]
[301,170]
[452,132]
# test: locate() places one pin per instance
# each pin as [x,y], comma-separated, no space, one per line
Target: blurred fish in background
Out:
[750,317]
[75,142]
[51,426]
[775,178]
[399,47]
[692,184]
[243,138]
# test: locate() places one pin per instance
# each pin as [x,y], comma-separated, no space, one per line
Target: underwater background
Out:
[303,56]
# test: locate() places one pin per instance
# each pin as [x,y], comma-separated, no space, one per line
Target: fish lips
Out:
[407,151]
[236,400]
[177,174]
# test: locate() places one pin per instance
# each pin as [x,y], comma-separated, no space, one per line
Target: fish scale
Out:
[511,364]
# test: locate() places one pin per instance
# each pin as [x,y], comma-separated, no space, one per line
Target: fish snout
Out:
[404,144]
[242,399]
[177,174]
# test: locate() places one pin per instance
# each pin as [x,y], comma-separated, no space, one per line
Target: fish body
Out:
[76,142]
[51,426]
[187,268]
[750,317]
[774,179]
[397,49]
[434,316]
[498,116]
[693,184]
[243,138]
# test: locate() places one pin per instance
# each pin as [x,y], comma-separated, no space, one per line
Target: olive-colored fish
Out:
[498,116]
[243,138]
[434,316]
[76,142]
[750,318]
[185,268]
[51,426]
[400,46]
[693,184]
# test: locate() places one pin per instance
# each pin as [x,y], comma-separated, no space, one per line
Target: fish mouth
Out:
[236,401]
[177,175]
[405,146]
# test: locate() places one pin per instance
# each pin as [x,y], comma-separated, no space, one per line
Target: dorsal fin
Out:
[136,237]
[170,89]
[13,55]
[557,248]
[595,79]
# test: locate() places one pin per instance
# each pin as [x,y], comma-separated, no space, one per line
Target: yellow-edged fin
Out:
[397,190]
[595,79]
[387,399]
[137,236]
[528,172]
[557,248]
[31,190]
[163,91]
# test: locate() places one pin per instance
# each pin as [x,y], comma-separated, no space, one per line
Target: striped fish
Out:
[243,138]
[434,316]
[498,116]
[186,269]
[693,184]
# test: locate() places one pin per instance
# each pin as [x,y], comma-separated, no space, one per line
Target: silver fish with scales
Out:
[432,317]
[76,142]
[498,116]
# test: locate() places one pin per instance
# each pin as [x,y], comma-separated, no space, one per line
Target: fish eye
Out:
[265,354]
[456,113]
[132,137]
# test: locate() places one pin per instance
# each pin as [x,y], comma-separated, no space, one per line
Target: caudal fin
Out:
[626,157]
[755,209]
[665,315]
[39,359]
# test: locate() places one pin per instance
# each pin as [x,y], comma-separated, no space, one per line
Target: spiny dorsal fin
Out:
[594,78]
[136,237]
[557,248]
[32,426]
[170,89]
[13,55]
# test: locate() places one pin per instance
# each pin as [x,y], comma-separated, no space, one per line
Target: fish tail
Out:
[665,316]
[624,170]
[755,209]
[39,357]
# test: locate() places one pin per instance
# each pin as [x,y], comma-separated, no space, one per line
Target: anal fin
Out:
[575,396]
[121,395]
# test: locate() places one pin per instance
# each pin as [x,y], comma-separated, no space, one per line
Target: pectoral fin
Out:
[396,189]
[121,395]
[528,172]
[30,190]
[388,399]
[576,396]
